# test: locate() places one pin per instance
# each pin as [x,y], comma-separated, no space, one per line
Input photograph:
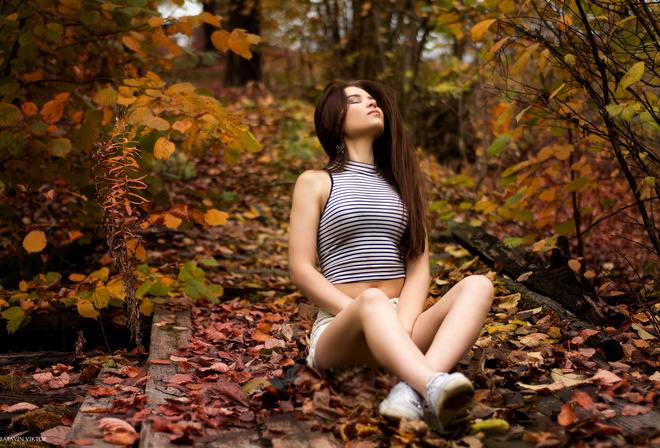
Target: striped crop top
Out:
[360,227]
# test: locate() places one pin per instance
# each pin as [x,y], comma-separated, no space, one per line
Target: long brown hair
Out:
[394,153]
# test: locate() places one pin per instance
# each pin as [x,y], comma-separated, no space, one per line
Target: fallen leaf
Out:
[583,399]
[117,431]
[635,410]
[605,377]
[56,435]
[21,407]
[567,415]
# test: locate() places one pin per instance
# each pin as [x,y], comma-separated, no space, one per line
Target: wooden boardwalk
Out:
[164,340]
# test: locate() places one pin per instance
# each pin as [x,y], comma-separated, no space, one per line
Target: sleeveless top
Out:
[360,227]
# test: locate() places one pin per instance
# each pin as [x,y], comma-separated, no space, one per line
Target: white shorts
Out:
[323,319]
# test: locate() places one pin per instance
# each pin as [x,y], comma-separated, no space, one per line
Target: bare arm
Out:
[309,195]
[415,291]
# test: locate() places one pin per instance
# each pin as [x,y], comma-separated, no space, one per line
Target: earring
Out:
[341,147]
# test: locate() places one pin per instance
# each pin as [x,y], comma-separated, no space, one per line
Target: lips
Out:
[374,112]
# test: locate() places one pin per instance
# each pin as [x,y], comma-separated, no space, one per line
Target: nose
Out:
[372,103]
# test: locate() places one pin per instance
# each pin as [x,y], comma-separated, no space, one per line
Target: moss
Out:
[36,421]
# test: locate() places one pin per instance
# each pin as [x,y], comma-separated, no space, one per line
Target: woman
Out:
[366,216]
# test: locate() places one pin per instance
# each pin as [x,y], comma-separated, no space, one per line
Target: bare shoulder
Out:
[315,180]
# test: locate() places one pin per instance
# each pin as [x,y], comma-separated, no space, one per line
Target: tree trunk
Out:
[245,15]
[583,304]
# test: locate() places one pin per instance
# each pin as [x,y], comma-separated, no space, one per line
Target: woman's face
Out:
[363,116]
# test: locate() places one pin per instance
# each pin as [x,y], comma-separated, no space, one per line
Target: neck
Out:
[361,149]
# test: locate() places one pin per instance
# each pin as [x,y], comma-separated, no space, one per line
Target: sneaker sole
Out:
[395,413]
[455,402]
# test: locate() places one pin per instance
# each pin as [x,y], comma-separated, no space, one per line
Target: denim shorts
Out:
[323,319]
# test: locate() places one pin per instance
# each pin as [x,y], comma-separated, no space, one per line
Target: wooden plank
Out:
[169,330]
[298,433]
[84,426]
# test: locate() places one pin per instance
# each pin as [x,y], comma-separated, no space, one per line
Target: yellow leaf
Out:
[633,75]
[101,297]
[12,16]
[171,221]
[23,285]
[34,241]
[101,274]
[62,96]
[105,97]
[547,196]
[163,148]
[146,307]
[77,278]
[562,152]
[136,116]
[86,309]
[135,249]
[157,123]
[480,28]
[215,217]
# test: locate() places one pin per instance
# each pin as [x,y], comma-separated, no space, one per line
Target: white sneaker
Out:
[449,396]
[402,402]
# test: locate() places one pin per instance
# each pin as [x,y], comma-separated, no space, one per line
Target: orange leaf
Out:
[239,44]
[29,109]
[163,148]
[215,217]
[52,111]
[583,399]
[567,415]
[259,336]
[220,40]
[132,43]
[34,241]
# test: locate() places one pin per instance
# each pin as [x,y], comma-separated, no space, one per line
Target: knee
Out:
[480,289]
[372,298]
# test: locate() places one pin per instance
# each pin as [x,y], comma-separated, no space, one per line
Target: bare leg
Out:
[447,330]
[369,332]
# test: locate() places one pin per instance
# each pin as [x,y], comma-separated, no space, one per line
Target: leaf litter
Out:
[538,382]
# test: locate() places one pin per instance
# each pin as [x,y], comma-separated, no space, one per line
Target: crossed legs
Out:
[368,332]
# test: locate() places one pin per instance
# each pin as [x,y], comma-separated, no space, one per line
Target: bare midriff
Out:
[392,288]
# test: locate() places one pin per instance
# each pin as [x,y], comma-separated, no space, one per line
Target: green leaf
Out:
[512,242]
[158,290]
[144,287]
[208,262]
[196,289]
[498,145]
[12,312]
[90,17]
[247,140]
[578,184]
[565,227]
[650,181]
[59,147]
[628,113]
[633,75]
[8,114]
[514,200]
[614,110]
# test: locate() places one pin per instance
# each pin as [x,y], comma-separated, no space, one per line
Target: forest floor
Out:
[538,382]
